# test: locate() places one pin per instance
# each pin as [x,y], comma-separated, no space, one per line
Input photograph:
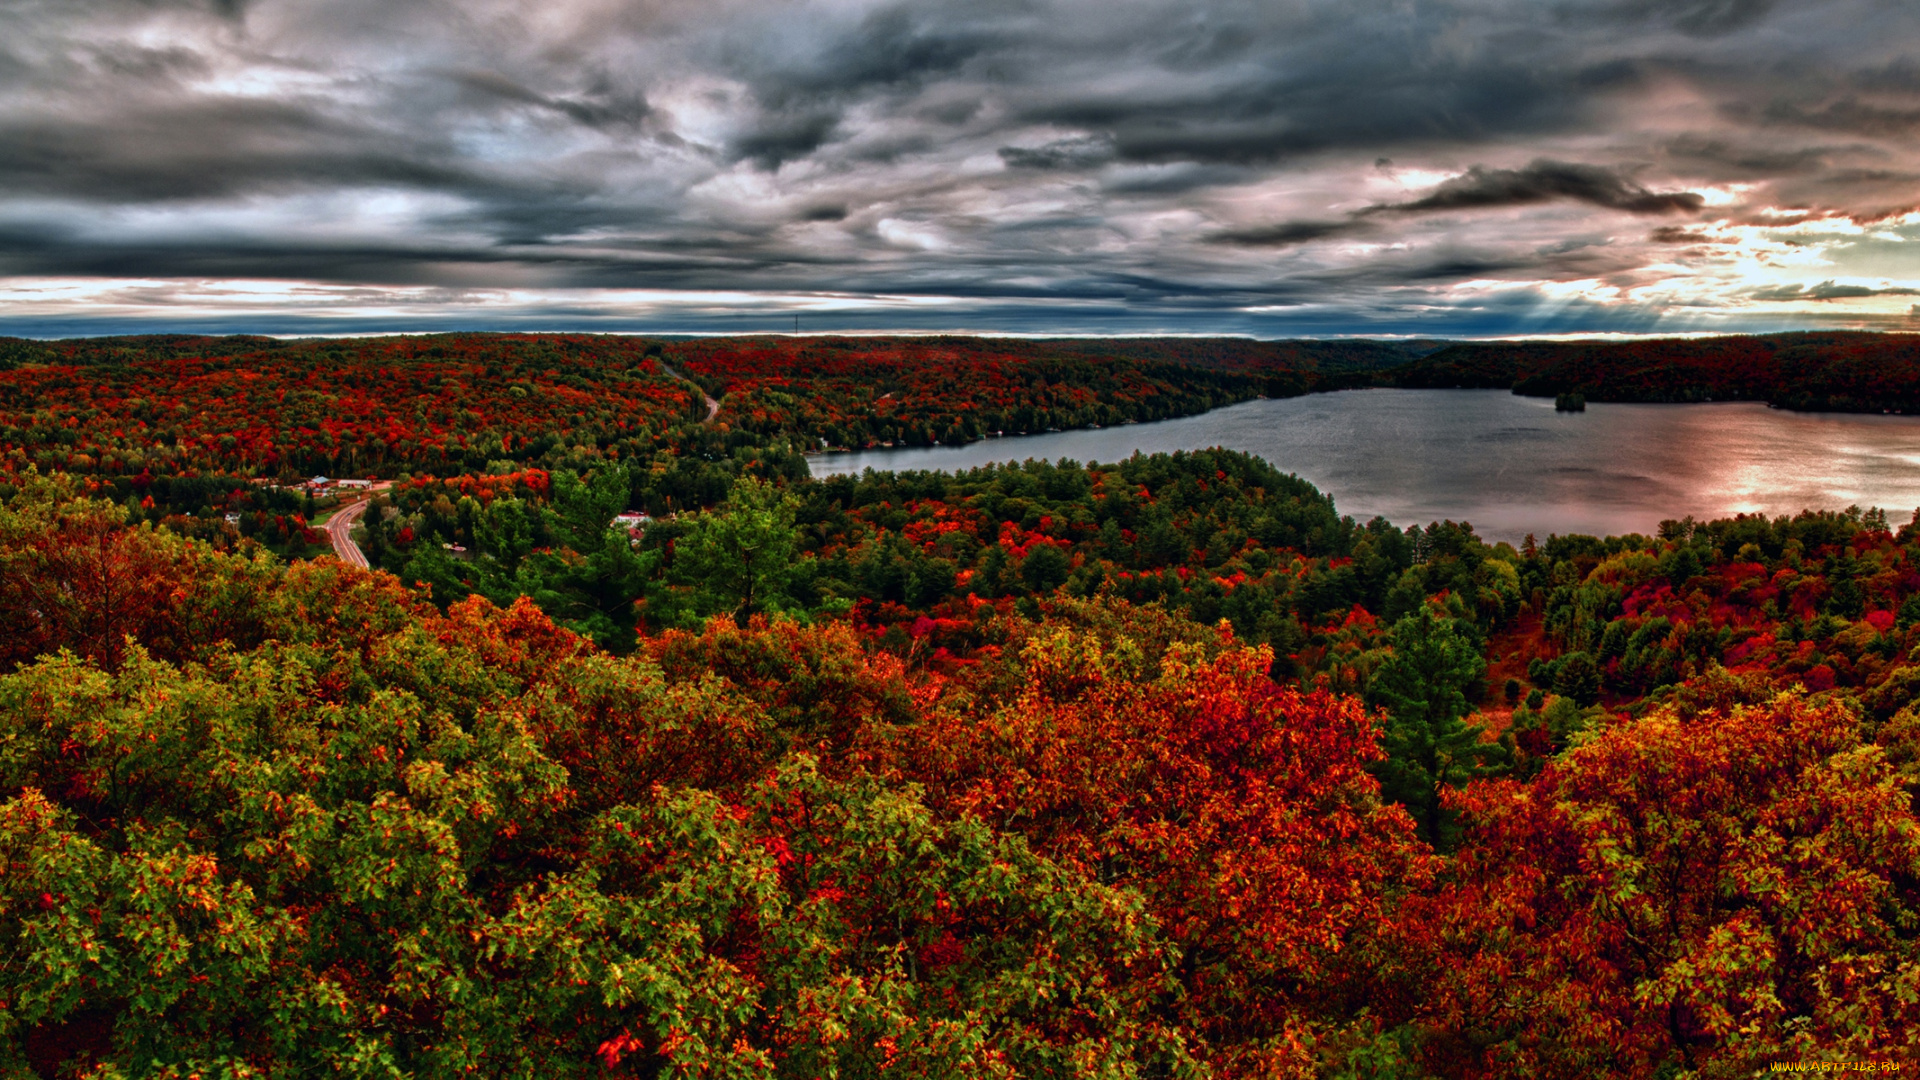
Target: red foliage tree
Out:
[1240,809]
[1714,893]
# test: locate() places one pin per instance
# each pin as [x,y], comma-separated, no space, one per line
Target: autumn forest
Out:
[635,751]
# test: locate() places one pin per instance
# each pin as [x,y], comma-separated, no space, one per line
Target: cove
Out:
[1510,465]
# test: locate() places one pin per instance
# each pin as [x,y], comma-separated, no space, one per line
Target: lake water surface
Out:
[1511,465]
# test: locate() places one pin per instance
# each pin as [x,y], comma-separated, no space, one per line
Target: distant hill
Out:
[1836,371]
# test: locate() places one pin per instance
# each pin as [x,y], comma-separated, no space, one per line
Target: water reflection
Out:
[1512,465]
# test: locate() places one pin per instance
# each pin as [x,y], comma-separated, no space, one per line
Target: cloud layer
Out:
[1257,166]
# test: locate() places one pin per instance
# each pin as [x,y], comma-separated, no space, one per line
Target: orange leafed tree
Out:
[1710,893]
[72,576]
[1240,809]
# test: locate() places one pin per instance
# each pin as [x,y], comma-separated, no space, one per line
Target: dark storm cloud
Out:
[890,52]
[786,135]
[1702,18]
[200,150]
[1191,162]
[1546,181]
[1483,188]
[1721,158]
[1357,98]
[1865,195]
[1287,233]
[1678,234]
[1078,153]
[1901,74]
[147,65]
[1846,115]
[1178,178]
[609,110]
[1827,290]
[893,47]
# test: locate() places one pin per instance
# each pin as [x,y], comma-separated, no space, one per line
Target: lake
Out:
[1511,465]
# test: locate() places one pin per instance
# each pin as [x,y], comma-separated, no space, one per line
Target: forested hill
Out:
[261,818]
[637,752]
[857,391]
[1838,372]
[843,391]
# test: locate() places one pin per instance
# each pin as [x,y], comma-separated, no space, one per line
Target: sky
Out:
[1446,168]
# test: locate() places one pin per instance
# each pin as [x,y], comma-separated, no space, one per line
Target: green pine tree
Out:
[742,559]
[1423,688]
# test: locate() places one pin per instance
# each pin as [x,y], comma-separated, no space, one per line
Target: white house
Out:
[634,523]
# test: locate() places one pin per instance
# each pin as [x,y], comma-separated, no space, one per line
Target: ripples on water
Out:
[1511,465]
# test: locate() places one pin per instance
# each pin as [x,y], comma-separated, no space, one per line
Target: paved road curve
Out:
[713,407]
[340,531]
[339,527]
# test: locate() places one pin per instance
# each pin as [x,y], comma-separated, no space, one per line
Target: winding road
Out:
[340,531]
[339,527]
[713,407]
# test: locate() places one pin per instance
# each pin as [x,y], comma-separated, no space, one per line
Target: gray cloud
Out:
[781,136]
[1077,153]
[1372,100]
[1185,162]
[1482,188]
[1678,234]
[210,149]
[593,113]
[1287,233]
[1827,290]
[1701,18]
[1545,181]
[893,46]
[1719,158]
[1849,115]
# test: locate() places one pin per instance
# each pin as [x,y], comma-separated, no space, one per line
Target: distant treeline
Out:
[1844,371]
[1836,372]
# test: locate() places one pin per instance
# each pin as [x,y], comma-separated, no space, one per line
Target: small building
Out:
[354,485]
[633,522]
